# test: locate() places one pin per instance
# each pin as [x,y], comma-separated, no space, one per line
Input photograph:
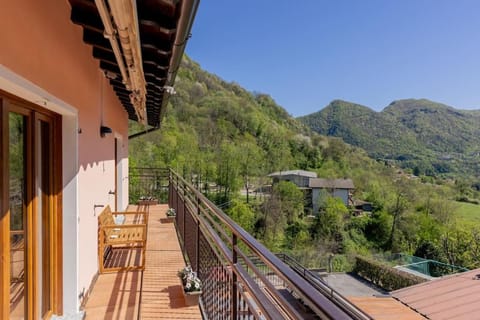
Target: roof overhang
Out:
[139,45]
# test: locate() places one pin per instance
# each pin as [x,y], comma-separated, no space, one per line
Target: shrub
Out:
[384,276]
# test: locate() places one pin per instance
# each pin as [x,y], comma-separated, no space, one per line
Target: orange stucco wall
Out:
[39,43]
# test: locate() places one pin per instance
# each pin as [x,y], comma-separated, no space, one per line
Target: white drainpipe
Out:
[183,31]
[184,27]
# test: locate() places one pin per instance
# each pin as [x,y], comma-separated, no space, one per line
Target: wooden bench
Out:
[129,236]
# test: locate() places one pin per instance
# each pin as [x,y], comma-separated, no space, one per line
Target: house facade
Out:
[67,91]
[313,187]
[338,188]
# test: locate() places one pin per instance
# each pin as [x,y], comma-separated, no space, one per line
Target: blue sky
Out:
[306,53]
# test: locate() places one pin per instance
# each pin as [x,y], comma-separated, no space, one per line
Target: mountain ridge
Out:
[426,136]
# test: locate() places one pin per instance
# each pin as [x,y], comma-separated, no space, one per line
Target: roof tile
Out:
[451,297]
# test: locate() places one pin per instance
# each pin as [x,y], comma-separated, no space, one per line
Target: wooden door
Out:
[30,241]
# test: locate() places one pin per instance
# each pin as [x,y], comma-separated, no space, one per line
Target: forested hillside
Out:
[427,137]
[225,139]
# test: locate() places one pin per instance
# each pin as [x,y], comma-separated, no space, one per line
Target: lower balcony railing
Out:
[241,278]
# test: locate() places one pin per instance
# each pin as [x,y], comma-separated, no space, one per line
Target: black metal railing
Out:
[148,183]
[235,285]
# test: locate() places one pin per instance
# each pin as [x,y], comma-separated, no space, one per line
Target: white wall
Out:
[342,194]
[339,193]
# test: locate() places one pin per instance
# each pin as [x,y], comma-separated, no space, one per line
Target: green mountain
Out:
[428,137]
[216,131]
[207,116]
[223,138]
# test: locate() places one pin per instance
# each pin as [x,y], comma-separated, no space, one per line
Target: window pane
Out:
[17,138]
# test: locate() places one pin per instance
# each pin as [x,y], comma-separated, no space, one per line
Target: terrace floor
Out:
[155,293]
[350,285]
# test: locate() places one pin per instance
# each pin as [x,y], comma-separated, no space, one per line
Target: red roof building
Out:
[451,297]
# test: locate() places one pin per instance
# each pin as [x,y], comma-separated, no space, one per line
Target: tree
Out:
[228,168]
[331,220]
[296,235]
[291,200]
[335,150]
[378,228]
[428,250]
[280,210]
[273,222]
[251,159]
[454,244]
[401,195]
[242,214]
[462,187]
[443,210]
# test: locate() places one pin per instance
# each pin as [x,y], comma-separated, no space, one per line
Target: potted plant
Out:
[171,214]
[192,286]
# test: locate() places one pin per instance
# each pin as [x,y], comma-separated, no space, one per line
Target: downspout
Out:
[141,133]
[183,33]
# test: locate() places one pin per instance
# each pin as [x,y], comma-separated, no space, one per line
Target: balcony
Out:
[241,278]
[154,293]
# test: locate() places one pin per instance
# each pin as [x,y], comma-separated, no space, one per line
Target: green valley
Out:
[225,140]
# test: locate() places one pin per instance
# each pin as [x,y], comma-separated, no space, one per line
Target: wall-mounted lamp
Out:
[104,130]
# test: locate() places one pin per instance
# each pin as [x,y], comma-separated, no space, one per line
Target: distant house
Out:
[300,177]
[341,188]
[312,186]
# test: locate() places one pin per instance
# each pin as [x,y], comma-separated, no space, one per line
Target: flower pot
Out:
[147,202]
[191,298]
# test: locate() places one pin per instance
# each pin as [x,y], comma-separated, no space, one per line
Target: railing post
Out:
[197,247]
[184,211]
[234,278]
[154,191]
[176,192]
[170,189]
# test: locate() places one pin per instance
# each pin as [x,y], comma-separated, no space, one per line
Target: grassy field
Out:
[468,212]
